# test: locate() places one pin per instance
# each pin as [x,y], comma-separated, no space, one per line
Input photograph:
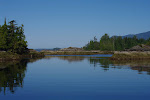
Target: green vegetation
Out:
[8,56]
[12,43]
[12,38]
[114,43]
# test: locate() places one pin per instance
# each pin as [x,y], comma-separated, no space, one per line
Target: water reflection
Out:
[101,62]
[106,64]
[140,66]
[12,74]
[67,58]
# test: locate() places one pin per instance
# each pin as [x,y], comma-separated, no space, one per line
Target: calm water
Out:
[75,78]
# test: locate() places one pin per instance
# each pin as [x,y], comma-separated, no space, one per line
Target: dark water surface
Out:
[75,78]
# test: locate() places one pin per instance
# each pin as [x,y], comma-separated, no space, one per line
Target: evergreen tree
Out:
[92,45]
[3,36]
[12,38]
[106,44]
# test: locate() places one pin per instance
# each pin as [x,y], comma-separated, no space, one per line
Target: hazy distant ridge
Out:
[144,35]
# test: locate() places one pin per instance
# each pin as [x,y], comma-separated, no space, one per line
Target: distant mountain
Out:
[144,35]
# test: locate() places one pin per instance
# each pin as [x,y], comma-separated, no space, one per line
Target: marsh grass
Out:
[134,55]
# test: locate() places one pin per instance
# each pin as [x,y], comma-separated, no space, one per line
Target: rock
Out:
[32,50]
[72,49]
[141,47]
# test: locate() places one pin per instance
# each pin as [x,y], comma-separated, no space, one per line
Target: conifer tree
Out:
[12,38]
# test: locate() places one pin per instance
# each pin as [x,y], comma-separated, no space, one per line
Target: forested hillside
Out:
[144,35]
[115,43]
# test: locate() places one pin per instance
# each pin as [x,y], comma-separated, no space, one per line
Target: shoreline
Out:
[131,55]
[76,52]
[6,56]
[116,55]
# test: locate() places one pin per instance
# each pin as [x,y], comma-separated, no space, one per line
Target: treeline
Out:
[115,43]
[12,38]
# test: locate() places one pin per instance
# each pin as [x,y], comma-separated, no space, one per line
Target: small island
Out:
[122,48]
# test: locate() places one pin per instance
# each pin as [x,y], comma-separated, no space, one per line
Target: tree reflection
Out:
[103,62]
[67,58]
[106,64]
[12,74]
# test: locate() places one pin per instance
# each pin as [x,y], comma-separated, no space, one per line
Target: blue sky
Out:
[64,23]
